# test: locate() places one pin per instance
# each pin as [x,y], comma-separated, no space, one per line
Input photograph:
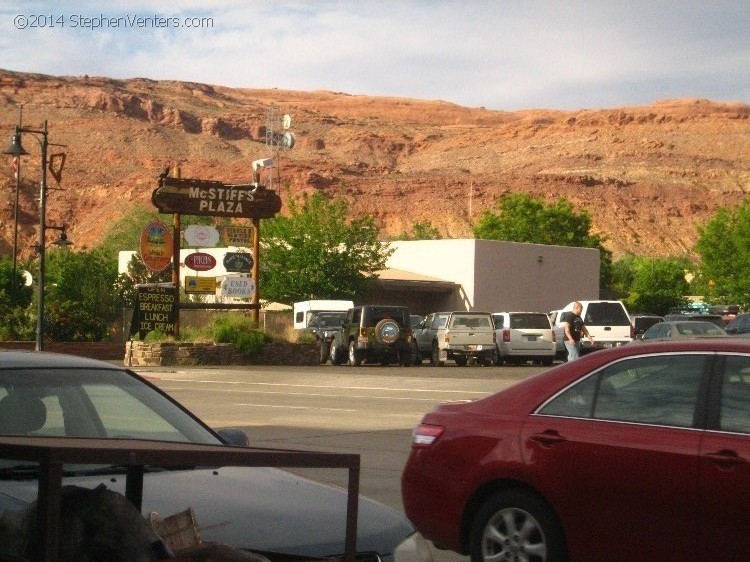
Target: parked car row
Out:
[390,334]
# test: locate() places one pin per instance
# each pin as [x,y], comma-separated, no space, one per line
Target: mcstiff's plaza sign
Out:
[215,199]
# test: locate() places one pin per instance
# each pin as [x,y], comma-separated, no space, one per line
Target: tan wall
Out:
[499,276]
[511,276]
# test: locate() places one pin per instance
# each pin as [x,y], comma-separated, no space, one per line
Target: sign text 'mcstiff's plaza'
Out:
[221,199]
[213,198]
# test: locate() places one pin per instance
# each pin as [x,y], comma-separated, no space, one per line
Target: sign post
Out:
[216,199]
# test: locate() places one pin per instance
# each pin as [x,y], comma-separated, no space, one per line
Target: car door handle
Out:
[548,438]
[726,458]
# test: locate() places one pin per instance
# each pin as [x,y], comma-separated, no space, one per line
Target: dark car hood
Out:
[255,508]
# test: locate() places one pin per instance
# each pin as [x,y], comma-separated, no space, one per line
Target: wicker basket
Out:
[178,531]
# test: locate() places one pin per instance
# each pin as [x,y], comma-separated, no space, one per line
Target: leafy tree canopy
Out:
[81,304]
[657,285]
[318,253]
[724,248]
[421,230]
[16,292]
[520,217]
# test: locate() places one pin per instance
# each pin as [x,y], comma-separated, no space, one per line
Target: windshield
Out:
[91,403]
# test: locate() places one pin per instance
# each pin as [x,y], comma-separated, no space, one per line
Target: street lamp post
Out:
[16,149]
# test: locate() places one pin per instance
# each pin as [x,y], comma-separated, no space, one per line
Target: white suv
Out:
[524,336]
[607,321]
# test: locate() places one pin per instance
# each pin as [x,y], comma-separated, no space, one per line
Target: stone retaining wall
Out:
[163,354]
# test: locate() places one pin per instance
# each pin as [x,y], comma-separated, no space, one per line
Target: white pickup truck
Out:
[466,335]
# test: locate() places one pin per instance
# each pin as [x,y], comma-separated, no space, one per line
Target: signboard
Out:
[215,199]
[201,236]
[238,286]
[237,235]
[200,285]
[200,261]
[154,309]
[156,246]
[238,262]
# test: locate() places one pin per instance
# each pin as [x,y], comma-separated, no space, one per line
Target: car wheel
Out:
[415,356]
[497,359]
[355,358]
[516,525]
[325,348]
[406,356]
[435,356]
[335,353]
[547,361]
[461,360]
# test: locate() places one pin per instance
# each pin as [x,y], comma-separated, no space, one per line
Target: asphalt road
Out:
[366,410]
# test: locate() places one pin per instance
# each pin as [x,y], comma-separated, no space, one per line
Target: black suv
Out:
[373,334]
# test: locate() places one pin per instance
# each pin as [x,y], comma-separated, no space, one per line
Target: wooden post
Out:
[176,262]
[256,270]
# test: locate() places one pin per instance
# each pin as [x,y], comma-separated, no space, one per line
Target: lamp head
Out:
[15,147]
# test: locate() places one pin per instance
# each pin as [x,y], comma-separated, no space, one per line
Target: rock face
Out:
[648,176]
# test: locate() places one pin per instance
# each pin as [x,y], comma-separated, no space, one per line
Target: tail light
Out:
[494,337]
[447,337]
[424,435]
[632,332]
[506,336]
[554,337]
[363,332]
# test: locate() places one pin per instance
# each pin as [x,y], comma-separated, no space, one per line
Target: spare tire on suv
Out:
[374,334]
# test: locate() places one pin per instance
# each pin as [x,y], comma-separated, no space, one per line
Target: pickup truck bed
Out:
[466,335]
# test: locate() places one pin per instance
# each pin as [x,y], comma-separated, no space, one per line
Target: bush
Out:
[240,330]
[250,343]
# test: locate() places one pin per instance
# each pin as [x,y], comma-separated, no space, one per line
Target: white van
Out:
[607,321]
[304,310]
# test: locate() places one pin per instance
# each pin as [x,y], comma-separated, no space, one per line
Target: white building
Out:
[470,274]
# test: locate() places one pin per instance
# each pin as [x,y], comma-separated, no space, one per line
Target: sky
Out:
[501,55]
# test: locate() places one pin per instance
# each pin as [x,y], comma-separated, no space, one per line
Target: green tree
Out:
[81,304]
[658,285]
[421,231]
[520,217]
[318,253]
[723,245]
[20,293]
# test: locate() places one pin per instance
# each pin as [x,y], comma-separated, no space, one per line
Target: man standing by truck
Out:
[574,330]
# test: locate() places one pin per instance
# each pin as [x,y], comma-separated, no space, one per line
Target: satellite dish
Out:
[286,121]
[287,140]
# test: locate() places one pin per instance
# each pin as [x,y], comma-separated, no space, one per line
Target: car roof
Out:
[10,359]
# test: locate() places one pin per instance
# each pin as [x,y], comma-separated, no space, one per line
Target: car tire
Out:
[415,356]
[335,353]
[325,349]
[355,357]
[461,360]
[406,356]
[520,522]
[435,356]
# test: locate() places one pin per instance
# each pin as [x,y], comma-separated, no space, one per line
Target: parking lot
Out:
[367,410]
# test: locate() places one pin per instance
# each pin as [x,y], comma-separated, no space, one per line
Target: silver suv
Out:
[524,336]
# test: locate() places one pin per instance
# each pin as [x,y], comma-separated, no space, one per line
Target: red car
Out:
[630,454]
